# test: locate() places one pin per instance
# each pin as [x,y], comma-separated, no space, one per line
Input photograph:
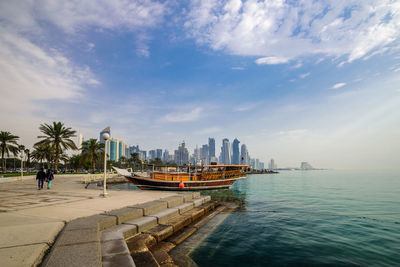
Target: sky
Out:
[315,81]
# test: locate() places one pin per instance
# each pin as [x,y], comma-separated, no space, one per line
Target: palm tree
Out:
[64,158]
[135,159]
[75,162]
[28,159]
[40,153]
[58,137]
[8,143]
[92,150]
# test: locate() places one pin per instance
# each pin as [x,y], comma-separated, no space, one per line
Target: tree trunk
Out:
[2,161]
[57,156]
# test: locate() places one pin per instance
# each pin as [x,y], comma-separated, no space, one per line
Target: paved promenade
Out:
[31,219]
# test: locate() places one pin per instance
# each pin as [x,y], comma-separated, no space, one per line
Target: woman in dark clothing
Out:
[49,178]
[40,176]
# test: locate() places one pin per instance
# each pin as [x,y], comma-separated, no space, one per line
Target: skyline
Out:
[315,82]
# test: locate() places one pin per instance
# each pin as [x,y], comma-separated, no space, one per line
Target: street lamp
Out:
[105,136]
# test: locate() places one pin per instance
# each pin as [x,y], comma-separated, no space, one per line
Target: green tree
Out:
[75,162]
[135,159]
[92,150]
[40,153]
[58,137]
[8,143]
[157,161]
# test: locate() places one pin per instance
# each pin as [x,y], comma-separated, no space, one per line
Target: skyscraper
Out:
[159,153]
[225,151]
[272,165]
[105,130]
[211,149]
[235,152]
[165,156]
[181,155]
[204,157]
[244,155]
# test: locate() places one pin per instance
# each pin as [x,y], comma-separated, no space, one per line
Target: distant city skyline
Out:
[312,81]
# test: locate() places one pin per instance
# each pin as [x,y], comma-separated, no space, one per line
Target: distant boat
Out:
[193,178]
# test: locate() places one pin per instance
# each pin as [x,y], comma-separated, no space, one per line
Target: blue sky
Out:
[315,81]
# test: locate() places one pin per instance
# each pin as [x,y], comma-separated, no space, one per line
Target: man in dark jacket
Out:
[40,176]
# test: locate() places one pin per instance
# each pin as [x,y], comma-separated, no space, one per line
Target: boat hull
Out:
[152,184]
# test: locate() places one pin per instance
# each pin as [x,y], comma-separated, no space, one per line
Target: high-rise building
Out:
[204,154]
[166,156]
[181,155]
[196,156]
[235,152]
[211,149]
[105,130]
[113,149]
[272,165]
[159,153]
[225,151]
[257,164]
[152,154]
[121,149]
[244,155]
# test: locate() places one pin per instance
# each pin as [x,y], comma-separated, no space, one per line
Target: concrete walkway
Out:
[31,219]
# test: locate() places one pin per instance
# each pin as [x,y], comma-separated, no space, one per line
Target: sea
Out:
[305,218]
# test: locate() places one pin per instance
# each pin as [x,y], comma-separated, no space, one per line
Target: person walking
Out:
[49,178]
[40,176]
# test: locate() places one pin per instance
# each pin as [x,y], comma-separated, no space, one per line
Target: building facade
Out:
[235,152]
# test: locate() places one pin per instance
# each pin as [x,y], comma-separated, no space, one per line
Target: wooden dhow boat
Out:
[193,178]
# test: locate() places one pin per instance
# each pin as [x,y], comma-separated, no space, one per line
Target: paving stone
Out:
[161,232]
[143,223]
[126,214]
[88,255]
[30,255]
[185,207]
[151,207]
[196,194]
[78,236]
[112,233]
[165,215]
[173,201]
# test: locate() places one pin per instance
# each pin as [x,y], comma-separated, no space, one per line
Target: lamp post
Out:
[22,164]
[105,136]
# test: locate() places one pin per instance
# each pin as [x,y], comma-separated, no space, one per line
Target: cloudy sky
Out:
[315,81]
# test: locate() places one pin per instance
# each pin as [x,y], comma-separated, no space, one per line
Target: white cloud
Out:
[351,29]
[304,75]
[271,61]
[189,116]
[247,106]
[338,85]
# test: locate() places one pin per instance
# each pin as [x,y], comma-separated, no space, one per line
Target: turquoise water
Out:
[309,218]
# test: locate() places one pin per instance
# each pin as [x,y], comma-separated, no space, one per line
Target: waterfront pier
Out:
[31,219]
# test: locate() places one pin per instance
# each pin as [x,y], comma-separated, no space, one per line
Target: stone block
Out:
[145,259]
[143,223]
[182,236]
[141,242]
[165,215]
[187,196]
[197,214]
[88,255]
[125,214]
[151,207]
[173,201]
[78,236]
[206,199]
[198,202]
[118,260]
[113,247]
[99,222]
[196,194]
[179,222]
[161,232]
[185,207]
